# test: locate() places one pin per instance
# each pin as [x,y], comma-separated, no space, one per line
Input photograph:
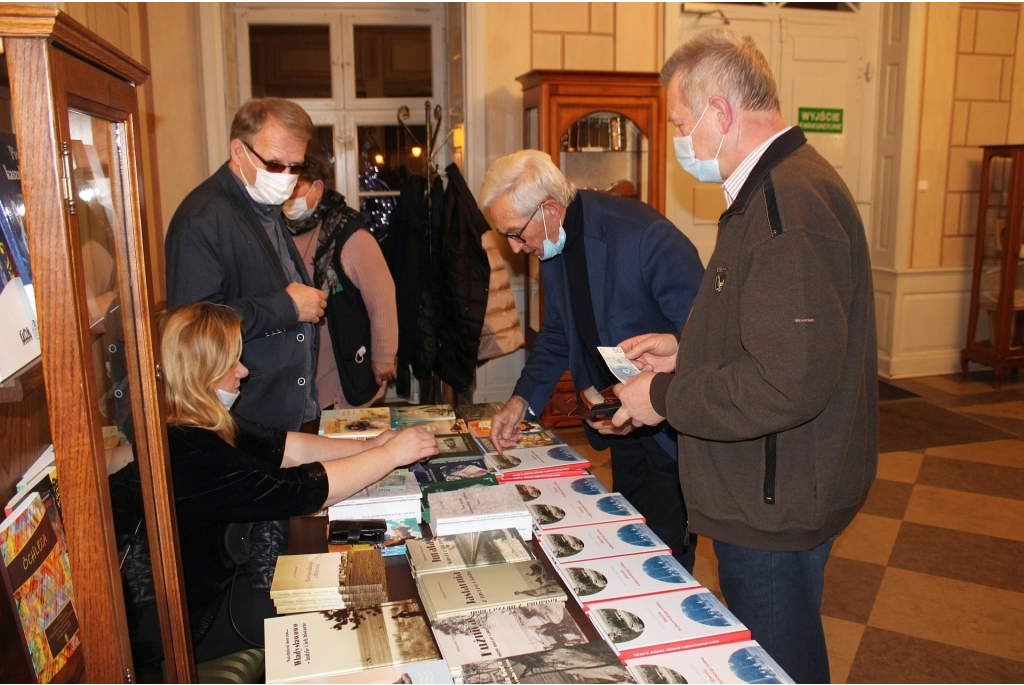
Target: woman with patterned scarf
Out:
[344,260]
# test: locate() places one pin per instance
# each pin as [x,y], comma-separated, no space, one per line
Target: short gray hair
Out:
[528,177]
[722,61]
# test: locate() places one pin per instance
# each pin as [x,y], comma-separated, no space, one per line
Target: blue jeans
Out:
[778,596]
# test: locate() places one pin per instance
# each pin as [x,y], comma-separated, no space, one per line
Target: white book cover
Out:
[297,575]
[551,458]
[481,548]
[557,503]
[47,458]
[583,543]
[325,643]
[523,525]
[737,662]
[19,341]
[505,632]
[497,501]
[420,672]
[669,622]
[368,422]
[634,575]
[400,484]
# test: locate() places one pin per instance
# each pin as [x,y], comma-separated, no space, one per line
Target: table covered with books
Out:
[509,568]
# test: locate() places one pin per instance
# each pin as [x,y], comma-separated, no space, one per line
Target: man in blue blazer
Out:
[613,268]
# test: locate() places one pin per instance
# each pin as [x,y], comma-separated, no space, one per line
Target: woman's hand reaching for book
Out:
[410,445]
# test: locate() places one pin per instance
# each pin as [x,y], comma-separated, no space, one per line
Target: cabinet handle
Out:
[159,372]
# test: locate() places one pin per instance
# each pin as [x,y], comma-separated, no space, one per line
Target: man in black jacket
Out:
[226,243]
[772,383]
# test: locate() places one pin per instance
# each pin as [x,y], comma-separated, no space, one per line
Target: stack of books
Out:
[737,662]
[396,496]
[364,582]
[553,461]
[450,486]
[325,644]
[585,543]
[361,424]
[467,550]
[557,503]
[486,588]
[477,509]
[308,582]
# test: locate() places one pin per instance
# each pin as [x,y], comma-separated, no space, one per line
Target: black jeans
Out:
[648,477]
[778,596]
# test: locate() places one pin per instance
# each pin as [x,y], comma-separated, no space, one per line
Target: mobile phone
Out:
[352,532]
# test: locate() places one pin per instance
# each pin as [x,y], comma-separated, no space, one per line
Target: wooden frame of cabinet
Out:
[560,98]
[54,64]
[1004,348]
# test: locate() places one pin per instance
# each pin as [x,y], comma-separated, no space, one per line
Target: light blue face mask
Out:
[552,249]
[705,170]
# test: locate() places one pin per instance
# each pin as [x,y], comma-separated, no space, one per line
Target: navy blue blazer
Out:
[218,251]
[644,274]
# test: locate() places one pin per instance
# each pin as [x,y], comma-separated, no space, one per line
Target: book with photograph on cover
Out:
[37,579]
[525,442]
[326,643]
[429,472]
[457,446]
[656,624]
[486,588]
[505,632]
[448,486]
[557,503]
[421,412]
[438,427]
[594,662]
[633,575]
[368,422]
[473,509]
[537,462]
[738,662]
[482,427]
[467,550]
[476,412]
[583,543]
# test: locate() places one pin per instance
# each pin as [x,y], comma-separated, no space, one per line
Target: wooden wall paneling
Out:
[67,364]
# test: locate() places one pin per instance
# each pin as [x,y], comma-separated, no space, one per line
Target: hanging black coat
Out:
[464,275]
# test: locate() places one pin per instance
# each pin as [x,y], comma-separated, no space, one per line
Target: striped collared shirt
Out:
[737,178]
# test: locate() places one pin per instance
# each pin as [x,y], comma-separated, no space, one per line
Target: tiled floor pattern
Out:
[927,583]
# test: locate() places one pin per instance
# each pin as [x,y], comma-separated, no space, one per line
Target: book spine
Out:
[695,643]
[499,607]
[515,476]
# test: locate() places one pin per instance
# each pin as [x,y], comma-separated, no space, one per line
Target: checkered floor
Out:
[927,583]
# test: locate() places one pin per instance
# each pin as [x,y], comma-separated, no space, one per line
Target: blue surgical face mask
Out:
[705,170]
[552,249]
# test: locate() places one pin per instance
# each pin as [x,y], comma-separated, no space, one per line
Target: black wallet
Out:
[352,532]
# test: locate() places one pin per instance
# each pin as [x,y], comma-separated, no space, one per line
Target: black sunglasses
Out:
[518,234]
[277,167]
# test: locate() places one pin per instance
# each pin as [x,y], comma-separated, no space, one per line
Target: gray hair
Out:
[528,177]
[721,61]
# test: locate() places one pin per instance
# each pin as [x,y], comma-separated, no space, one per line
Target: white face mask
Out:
[226,398]
[705,170]
[297,209]
[269,189]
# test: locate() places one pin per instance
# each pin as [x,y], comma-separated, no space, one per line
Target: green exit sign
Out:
[820,120]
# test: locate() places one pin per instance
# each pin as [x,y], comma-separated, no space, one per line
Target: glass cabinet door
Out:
[607,152]
[995,234]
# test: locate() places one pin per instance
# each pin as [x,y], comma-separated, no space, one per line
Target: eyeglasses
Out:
[277,167]
[517,236]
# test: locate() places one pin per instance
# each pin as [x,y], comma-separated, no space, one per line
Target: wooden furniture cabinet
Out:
[995,328]
[74,108]
[605,131]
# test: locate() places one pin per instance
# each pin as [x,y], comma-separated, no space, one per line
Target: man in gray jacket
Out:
[226,243]
[772,382]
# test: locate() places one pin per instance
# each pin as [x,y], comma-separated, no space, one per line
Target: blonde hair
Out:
[528,177]
[252,117]
[722,61]
[201,343]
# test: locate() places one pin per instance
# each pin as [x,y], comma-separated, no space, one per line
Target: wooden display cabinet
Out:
[73,103]
[605,131]
[995,328]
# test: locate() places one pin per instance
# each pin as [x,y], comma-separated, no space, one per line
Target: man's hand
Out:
[383,372]
[505,421]
[411,445]
[606,427]
[309,301]
[636,402]
[652,351]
